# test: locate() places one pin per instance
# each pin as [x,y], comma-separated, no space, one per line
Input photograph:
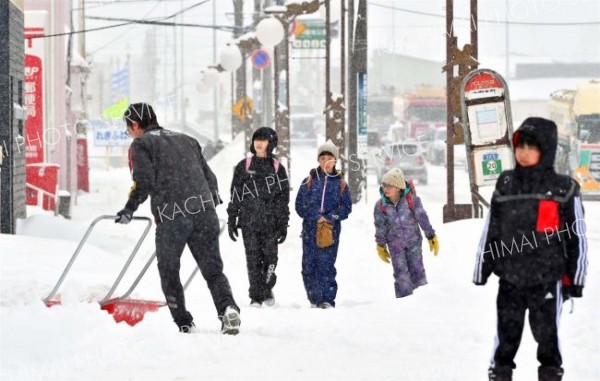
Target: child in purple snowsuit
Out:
[398,215]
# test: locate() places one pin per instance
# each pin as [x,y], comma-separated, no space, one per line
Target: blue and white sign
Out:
[108,134]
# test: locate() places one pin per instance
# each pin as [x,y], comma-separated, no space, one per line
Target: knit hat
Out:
[328,148]
[265,133]
[395,178]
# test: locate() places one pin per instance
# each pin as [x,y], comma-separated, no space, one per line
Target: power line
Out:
[151,22]
[123,24]
[124,33]
[484,20]
[100,4]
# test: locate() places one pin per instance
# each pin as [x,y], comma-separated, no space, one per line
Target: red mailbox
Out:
[42,185]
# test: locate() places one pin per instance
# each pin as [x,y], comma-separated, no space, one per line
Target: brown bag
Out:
[324,234]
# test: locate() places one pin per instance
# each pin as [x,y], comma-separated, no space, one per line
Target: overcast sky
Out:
[401,30]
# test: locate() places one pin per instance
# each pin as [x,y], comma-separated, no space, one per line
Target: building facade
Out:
[12,115]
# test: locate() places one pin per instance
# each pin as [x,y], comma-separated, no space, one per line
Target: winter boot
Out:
[500,373]
[325,305]
[255,303]
[188,328]
[270,300]
[230,321]
[550,373]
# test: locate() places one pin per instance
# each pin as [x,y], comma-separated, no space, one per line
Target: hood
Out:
[545,133]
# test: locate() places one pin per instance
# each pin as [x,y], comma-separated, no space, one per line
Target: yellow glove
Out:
[434,245]
[383,254]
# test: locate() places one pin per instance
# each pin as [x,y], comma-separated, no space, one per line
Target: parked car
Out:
[407,156]
[437,151]
[210,146]
[302,124]
[437,148]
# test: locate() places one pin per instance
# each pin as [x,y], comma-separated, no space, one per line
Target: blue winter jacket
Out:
[398,226]
[337,204]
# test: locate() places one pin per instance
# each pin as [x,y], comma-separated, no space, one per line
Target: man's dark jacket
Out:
[170,168]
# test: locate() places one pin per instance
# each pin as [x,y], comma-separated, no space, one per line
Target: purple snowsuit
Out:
[398,228]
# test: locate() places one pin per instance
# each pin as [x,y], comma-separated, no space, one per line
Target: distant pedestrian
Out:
[534,241]
[399,215]
[322,202]
[260,197]
[169,167]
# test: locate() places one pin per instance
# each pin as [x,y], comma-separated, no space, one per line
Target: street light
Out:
[270,31]
[231,57]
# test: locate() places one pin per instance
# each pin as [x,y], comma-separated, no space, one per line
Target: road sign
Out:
[311,34]
[261,59]
[243,108]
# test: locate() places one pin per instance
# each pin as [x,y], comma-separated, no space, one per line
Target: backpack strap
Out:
[380,204]
[410,201]
[343,184]
[249,162]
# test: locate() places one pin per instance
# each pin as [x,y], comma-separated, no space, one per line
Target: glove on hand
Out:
[232,228]
[576,291]
[434,245]
[124,216]
[281,234]
[383,254]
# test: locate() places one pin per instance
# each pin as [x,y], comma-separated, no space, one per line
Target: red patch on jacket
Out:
[548,217]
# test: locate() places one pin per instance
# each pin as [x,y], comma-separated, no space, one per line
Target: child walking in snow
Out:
[323,201]
[260,195]
[398,215]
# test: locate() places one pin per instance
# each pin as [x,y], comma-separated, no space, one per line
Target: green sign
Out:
[492,167]
[312,34]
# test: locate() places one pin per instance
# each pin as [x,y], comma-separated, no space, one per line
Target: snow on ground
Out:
[443,332]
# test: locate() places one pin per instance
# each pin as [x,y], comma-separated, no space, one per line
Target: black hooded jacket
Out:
[260,192]
[170,168]
[535,232]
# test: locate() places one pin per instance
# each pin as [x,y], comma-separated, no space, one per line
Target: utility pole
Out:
[238,125]
[256,88]
[281,68]
[466,61]
[182,78]
[357,37]
[334,107]
[267,85]
[216,89]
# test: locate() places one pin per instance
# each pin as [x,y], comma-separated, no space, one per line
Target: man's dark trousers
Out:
[201,233]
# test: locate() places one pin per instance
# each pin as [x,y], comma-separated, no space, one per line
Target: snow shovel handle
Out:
[222,225]
[82,242]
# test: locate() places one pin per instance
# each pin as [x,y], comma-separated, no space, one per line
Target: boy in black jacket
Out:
[534,241]
[260,195]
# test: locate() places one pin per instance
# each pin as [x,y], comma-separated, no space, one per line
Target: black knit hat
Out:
[264,133]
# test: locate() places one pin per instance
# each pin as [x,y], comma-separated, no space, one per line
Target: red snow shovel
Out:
[128,310]
[123,308]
